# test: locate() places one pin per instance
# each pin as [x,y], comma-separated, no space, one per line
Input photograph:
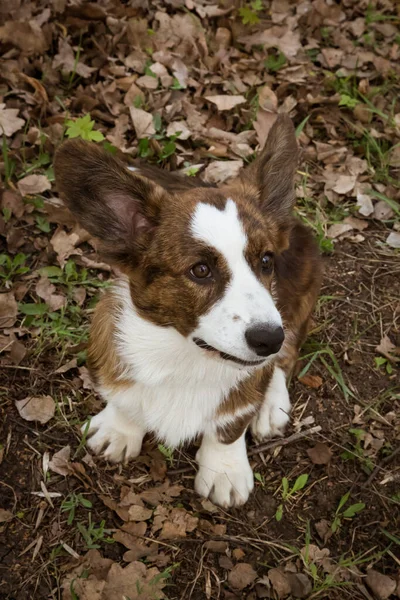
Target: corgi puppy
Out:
[198,335]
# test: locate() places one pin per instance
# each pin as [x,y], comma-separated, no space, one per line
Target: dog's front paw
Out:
[225,475]
[114,436]
[274,412]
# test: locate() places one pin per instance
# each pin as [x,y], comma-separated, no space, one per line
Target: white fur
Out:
[245,301]
[274,413]
[177,388]
[224,472]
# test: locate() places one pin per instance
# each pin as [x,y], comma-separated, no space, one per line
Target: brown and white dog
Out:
[199,334]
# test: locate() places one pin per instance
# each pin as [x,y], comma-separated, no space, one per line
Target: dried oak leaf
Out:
[241,576]
[139,513]
[40,408]
[221,170]
[225,102]
[8,310]
[45,290]
[60,462]
[13,201]
[64,245]
[300,585]
[381,585]
[5,515]
[178,524]
[66,59]
[393,239]
[135,581]
[10,123]
[280,582]
[387,349]
[142,122]
[312,381]
[27,36]
[33,184]
[320,454]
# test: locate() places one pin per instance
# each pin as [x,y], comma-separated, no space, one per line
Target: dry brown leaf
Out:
[300,585]
[40,408]
[45,290]
[381,585]
[387,349]
[13,201]
[139,513]
[71,364]
[5,515]
[10,123]
[60,462]
[312,381]
[178,524]
[66,59]
[338,229]
[382,211]
[221,170]
[33,184]
[179,127]
[223,102]
[64,245]
[358,224]
[263,124]
[142,122]
[344,184]
[27,36]
[8,310]
[136,582]
[320,454]
[393,239]
[280,582]
[241,576]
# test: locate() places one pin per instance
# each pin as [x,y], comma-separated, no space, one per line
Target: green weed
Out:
[345,513]
[82,128]
[93,534]
[356,452]
[11,267]
[168,453]
[289,493]
[71,503]
[248,13]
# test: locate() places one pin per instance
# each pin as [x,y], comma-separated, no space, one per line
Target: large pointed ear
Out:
[119,208]
[274,169]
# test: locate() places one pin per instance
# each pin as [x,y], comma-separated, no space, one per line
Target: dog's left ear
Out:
[274,169]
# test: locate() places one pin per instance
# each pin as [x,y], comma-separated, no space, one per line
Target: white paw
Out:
[118,438]
[275,410]
[224,475]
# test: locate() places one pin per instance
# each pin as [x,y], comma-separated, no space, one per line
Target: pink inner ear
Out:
[128,212]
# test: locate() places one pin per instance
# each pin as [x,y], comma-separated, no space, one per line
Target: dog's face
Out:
[200,260]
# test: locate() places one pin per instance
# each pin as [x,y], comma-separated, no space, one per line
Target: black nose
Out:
[265,339]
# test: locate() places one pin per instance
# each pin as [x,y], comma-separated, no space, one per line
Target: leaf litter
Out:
[195,87]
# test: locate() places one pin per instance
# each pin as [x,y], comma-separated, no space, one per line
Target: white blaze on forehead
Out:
[245,300]
[221,229]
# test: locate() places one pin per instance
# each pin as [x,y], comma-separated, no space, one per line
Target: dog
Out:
[199,334]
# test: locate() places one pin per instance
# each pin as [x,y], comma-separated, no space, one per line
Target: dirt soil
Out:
[195,85]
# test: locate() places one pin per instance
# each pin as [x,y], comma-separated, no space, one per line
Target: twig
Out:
[284,442]
[379,467]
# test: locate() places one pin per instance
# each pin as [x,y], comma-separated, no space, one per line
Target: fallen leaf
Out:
[241,576]
[338,229]
[312,381]
[45,290]
[64,245]
[139,513]
[27,35]
[320,454]
[5,515]
[67,60]
[33,184]
[393,239]
[344,184]
[13,201]
[179,128]
[223,102]
[382,211]
[280,582]
[381,585]
[40,408]
[8,310]
[178,524]
[142,122]
[10,123]
[221,170]
[215,546]
[60,462]
[135,581]
[263,124]
[358,224]
[364,203]
[387,348]
[300,585]
[71,364]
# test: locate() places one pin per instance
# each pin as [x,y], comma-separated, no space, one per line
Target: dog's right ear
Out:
[116,206]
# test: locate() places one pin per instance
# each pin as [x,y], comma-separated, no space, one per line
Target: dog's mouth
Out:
[245,363]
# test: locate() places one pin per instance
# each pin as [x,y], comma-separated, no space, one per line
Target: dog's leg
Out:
[224,475]
[114,432]
[273,415]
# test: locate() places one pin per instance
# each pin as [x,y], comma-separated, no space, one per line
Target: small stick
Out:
[284,442]
[379,467]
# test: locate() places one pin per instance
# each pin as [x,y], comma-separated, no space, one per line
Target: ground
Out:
[195,85]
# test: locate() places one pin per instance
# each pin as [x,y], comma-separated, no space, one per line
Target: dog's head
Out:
[199,260]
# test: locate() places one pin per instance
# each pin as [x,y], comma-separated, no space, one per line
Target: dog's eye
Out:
[200,271]
[267,262]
